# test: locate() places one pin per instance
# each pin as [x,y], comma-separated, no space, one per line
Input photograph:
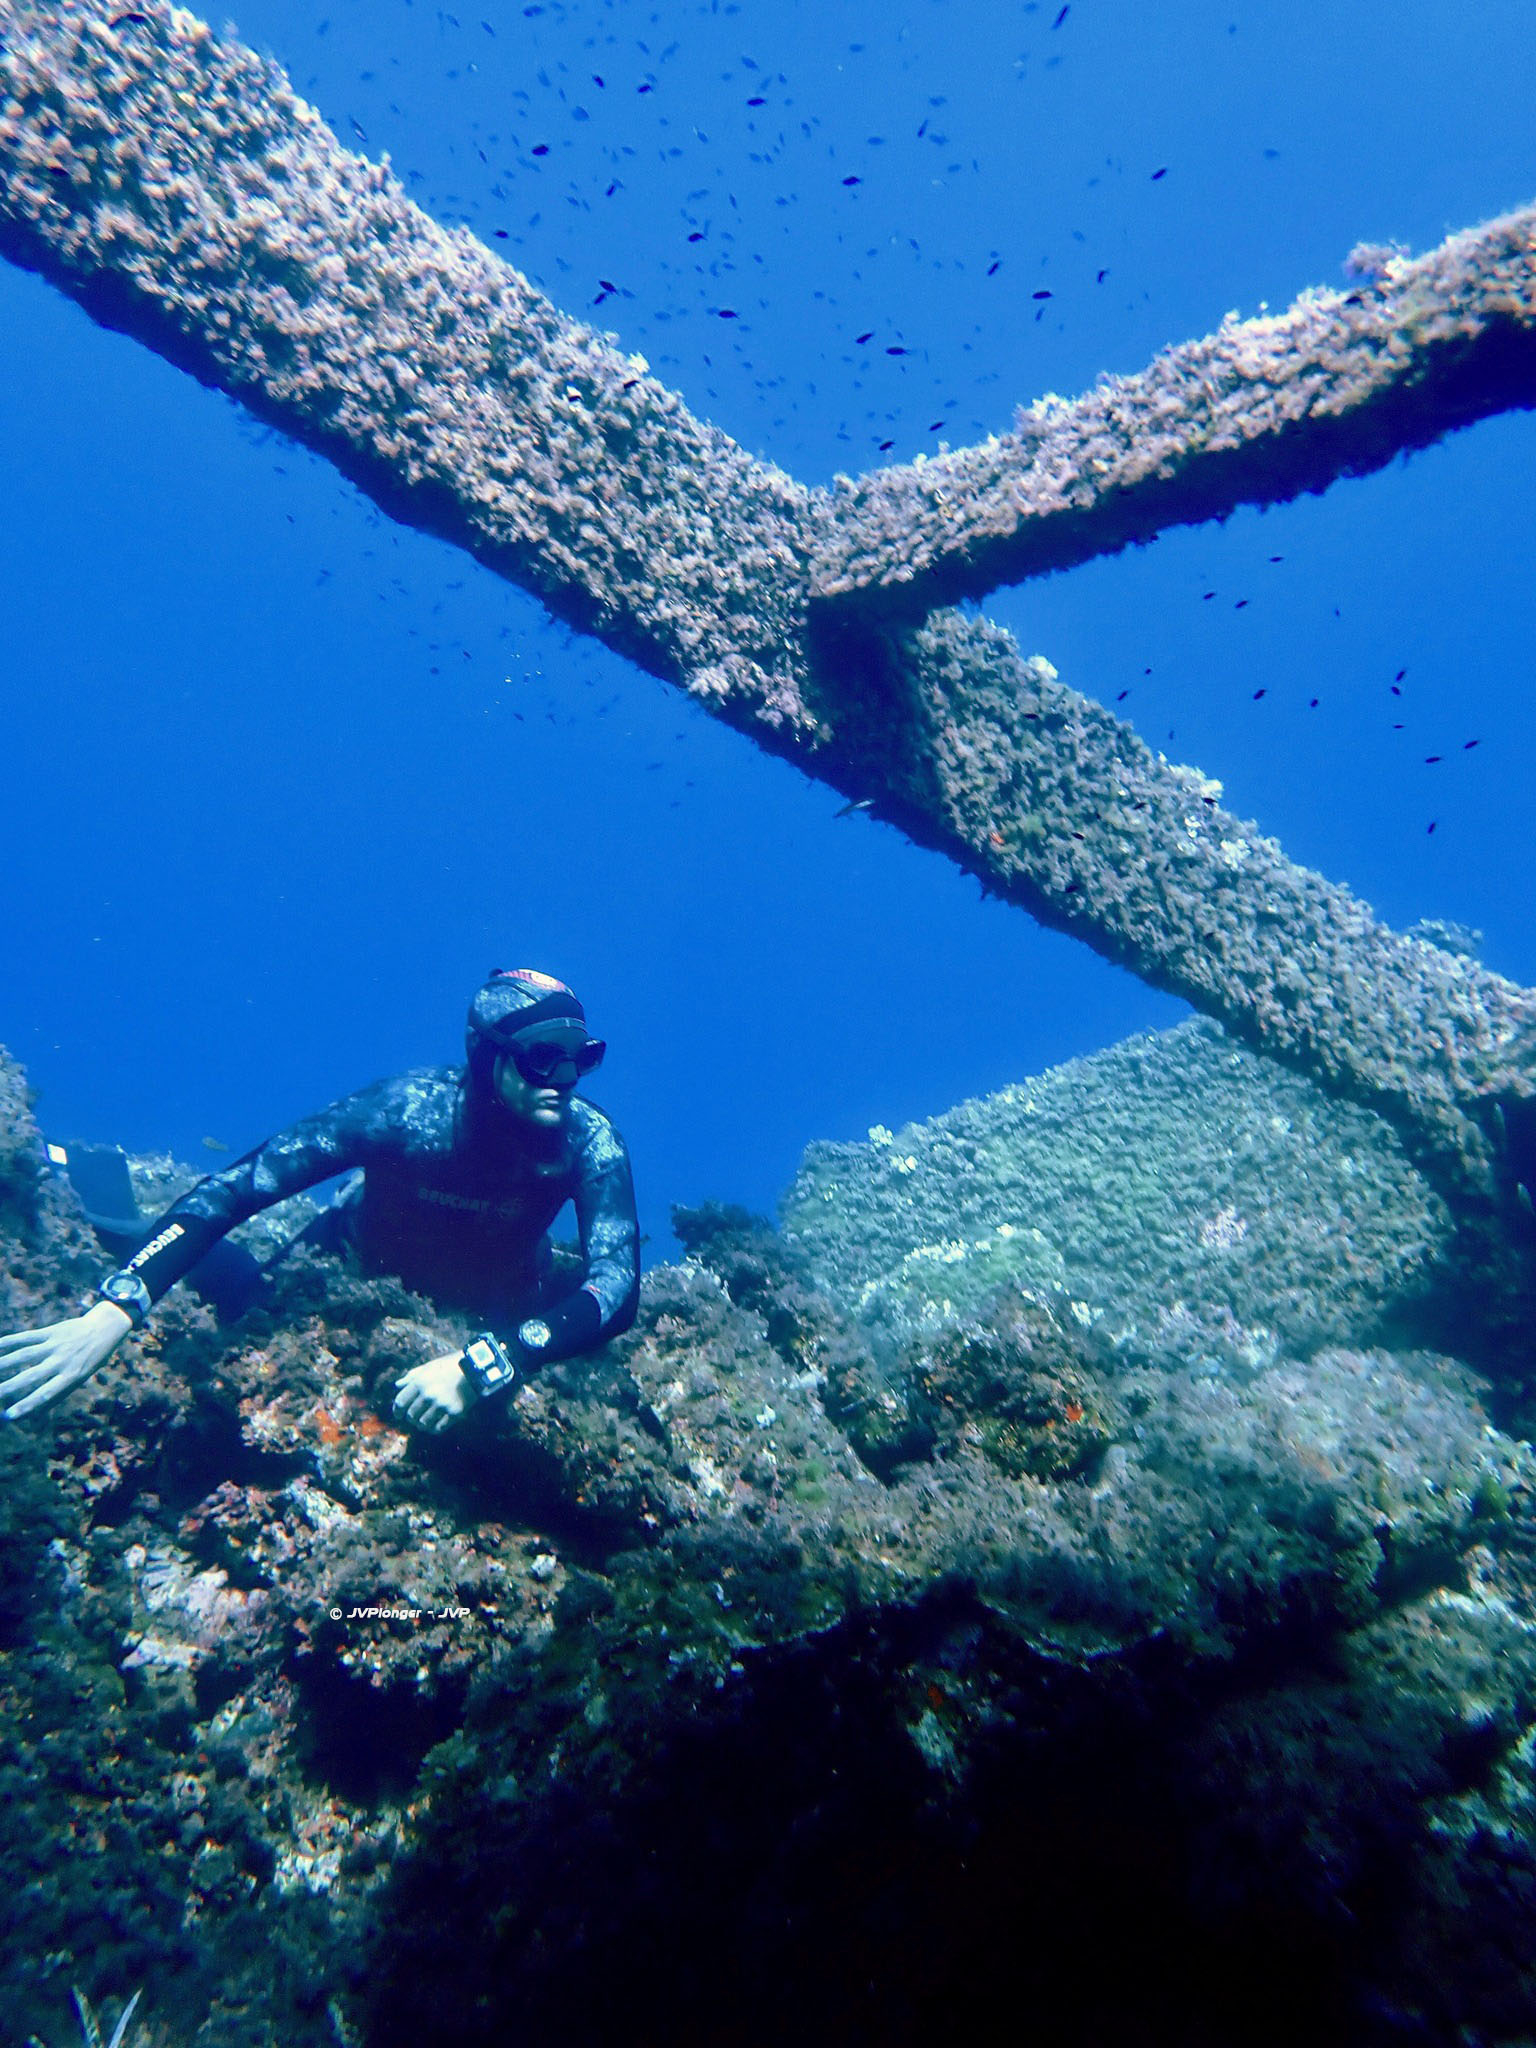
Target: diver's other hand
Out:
[434,1395]
[39,1367]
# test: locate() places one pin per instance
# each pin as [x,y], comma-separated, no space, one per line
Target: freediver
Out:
[458,1173]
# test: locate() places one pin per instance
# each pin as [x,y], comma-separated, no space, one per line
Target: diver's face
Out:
[546,1109]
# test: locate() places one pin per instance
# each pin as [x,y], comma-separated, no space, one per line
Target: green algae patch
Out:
[1204,1201]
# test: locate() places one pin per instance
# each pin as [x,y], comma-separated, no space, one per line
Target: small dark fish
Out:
[1468,745]
[757,100]
[1277,558]
[1101,277]
[725,313]
[886,447]
[934,426]
[1400,674]
[1314,704]
[994,268]
[894,351]
[118,20]
[1160,174]
[1240,603]
[1063,15]
[859,803]
[860,339]
[539,149]
[1122,696]
[853,178]
[358,130]
[1431,759]
[1042,295]
[1432,824]
[1258,694]
[1207,596]
[500,234]
[1396,691]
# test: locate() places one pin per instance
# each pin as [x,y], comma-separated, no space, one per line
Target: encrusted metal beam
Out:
[175,185]
[1260,411]
[1062,808]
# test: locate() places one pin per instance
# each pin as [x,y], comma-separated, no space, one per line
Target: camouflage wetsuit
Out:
[456,1198]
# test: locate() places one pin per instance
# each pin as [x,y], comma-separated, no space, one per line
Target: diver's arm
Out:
[39,1367]
[605,1302]
[314,1150]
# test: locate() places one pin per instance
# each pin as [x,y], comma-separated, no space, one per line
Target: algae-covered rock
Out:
[1207,1201]
[1019,1384]
[763,1625]
[52,1256]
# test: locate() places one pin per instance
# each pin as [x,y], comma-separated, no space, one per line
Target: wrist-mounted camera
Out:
[487,1364]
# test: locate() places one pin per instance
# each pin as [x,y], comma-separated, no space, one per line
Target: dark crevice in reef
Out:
[1081,1881]
[366,1742]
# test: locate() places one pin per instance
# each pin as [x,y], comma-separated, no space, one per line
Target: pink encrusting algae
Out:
[1338,384]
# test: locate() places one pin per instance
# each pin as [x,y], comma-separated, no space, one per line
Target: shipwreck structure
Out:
[175,185]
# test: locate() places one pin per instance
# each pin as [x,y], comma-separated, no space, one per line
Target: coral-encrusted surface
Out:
[1262,409]
[1207,1202]
[735,1684]
[1059,805]
[176,183]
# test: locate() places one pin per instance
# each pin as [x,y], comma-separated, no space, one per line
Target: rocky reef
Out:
[1205,1201]
[809,1662]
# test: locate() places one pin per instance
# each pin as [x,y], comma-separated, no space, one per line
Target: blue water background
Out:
[281,779]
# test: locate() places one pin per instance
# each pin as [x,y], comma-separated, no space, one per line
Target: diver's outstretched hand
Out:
[434,1395]
[39,1367]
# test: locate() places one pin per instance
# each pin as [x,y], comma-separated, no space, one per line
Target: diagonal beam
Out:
[1260,411]
[1061,807]
[177,187]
